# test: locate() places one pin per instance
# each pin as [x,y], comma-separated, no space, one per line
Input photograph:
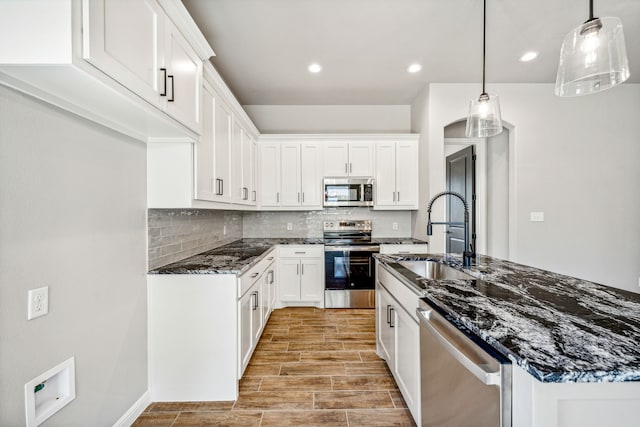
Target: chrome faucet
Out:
[468,253]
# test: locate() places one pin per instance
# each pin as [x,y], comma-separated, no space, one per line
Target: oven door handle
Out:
[371,248]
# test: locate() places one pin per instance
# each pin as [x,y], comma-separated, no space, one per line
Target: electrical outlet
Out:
[394,225]
[38,302]
[289,226]
[537,216]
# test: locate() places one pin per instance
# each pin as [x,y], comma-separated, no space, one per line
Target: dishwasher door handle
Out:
[457,348]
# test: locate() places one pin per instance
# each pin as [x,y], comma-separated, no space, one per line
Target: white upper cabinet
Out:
[361,159]
[293,181]
[311,174]
[290,172]
[222,153]
[396,175]
[205,183]
[248,167]
[183,78]
[125,40]
[237,190]
[269,172]
[343,159]
[136,44]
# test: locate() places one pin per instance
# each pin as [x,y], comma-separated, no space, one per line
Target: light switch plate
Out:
[537,216]
[38,302]
[394,225]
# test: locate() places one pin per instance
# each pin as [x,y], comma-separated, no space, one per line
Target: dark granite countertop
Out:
[233,258]
[237,257]
[557,328]
[397,241]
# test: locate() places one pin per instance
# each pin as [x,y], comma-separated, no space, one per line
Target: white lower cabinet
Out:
[398,336]
[301,275]
[203,330]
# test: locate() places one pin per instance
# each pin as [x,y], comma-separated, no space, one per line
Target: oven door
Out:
[349,268]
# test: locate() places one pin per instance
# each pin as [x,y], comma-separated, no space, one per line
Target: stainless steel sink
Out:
[434,270]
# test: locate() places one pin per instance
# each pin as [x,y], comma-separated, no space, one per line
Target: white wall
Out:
[330,118]
[420,124]
[72,217]
[575,159]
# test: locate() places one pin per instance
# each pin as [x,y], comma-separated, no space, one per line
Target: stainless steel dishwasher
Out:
[462,383]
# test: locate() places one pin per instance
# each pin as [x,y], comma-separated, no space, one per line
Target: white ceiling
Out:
[263,47]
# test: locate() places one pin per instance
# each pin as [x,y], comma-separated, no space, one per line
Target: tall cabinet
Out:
[397,175]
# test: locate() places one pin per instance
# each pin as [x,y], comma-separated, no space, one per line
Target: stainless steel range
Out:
[348,263]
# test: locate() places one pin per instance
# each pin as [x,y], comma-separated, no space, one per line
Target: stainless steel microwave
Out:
[348,192]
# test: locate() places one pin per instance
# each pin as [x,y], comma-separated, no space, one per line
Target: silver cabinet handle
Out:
[391,310]
[255,301]
[300,252]
[302,269]
[346,168]
[298,197]
[270,277]
[303,197]
[277,197]
[388,321]
[254,275]
[456,346]
[270,258]
[398,196]
[394,196]
[350,167]
[255,195]
[298,270]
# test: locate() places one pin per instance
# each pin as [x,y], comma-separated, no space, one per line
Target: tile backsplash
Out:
[175,234]
[309,223]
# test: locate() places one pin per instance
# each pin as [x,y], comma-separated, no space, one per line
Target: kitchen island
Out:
[575,345]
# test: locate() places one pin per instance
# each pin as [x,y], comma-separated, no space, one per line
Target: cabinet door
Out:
[407,360]
[124,39]
[269,172]
[184,79]
[253,195]
[256,314]
[289,279]
[271,280]
[236,163]
[245,311]
[222,151]
[361,157]
[290,181]
[311,174]
[407,174]
[336,159]
[385,174]
[247,168]
[386,320]
[265,309]
[311,280]
[205,185]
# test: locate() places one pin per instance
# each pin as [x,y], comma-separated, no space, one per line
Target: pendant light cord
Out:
[484,41]
[590,10]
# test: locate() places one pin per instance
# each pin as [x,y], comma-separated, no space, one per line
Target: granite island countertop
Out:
[556,327]
[238,257]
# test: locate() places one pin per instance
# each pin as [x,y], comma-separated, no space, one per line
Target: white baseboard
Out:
[134,412]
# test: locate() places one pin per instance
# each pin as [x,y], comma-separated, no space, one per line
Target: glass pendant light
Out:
[593,57]
[484,118]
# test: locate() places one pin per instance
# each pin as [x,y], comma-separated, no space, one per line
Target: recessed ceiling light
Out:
[414,68]
[528,56]
[315,68]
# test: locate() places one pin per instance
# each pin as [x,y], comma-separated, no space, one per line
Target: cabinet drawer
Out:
[421,248]
[248,278]
[301,251]
[407,299]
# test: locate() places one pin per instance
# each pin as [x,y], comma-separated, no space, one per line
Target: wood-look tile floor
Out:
[312,367]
